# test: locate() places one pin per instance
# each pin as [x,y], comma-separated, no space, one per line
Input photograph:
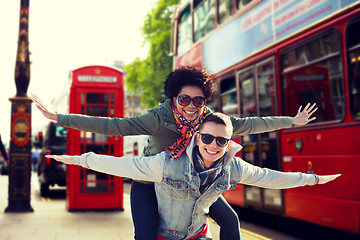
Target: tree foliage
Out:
[147,76]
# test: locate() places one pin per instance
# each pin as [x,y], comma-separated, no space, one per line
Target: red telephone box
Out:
[96,91]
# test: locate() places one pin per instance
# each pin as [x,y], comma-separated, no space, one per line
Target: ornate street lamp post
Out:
[20,143]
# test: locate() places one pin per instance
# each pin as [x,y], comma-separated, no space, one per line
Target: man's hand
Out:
[67,159]
[327,178]
[41,106]
[302,117]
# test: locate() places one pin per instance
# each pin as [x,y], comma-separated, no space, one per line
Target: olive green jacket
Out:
[159,123]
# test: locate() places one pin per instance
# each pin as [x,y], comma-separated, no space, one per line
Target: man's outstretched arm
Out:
[138,168]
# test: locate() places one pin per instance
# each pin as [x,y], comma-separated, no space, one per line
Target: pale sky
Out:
[65,35]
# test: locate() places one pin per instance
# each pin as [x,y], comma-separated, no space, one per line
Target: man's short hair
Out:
[218,118]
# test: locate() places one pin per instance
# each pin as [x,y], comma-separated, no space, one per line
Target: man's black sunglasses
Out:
[208,138]
[184,100]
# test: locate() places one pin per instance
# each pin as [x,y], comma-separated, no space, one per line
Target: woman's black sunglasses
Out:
[208,138]
[185,100]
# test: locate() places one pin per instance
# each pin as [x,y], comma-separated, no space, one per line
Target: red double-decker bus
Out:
[270,57]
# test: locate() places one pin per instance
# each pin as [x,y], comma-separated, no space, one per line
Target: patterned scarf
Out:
[187,129]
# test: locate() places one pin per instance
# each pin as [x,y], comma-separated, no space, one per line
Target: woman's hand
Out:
[302,117]
[43,109]
[327,178]
[67,159]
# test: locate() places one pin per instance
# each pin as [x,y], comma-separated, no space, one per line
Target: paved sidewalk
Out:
[51,221]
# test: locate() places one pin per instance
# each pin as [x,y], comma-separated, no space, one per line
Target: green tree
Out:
[147,76]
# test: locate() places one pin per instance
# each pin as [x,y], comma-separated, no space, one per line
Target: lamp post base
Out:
[20,156]
[19,206]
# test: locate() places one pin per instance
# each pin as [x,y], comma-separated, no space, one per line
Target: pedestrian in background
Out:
[170,127]
[4,154]
[34,156]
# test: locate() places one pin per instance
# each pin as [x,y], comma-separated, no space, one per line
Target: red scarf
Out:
[187,130]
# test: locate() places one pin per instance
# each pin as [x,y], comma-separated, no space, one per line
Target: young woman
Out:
[170,127]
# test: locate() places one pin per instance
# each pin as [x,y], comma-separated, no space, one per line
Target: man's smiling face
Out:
[212,152]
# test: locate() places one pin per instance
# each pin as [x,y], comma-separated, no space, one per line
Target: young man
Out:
[186,187]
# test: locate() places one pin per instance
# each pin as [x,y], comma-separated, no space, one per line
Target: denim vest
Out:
[182,208]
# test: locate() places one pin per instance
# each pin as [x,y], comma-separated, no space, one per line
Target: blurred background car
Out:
[51,172]
[134,147]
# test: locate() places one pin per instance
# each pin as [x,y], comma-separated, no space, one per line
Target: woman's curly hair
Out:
[189,76]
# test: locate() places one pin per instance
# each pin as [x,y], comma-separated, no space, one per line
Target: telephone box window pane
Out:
[98,98]
[90,137]
[97,187]
[112,112]
[112,100]
[92,98]
[82,136]
[96,148]
[82,110]
[112,149]
[97,111]
[95,182]
[106,98]
[99,137]
[82,98]
[96,176]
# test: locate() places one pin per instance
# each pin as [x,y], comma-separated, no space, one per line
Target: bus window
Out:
[240,4]
[214,102]
[313,74]
[265,73]
[226,9]
[312,51]
[228,96]
[266,81]
[247,94]
[353,44]
[184,31]
[248,109]
[204,18]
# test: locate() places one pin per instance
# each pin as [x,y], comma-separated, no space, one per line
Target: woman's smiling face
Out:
[190,112]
